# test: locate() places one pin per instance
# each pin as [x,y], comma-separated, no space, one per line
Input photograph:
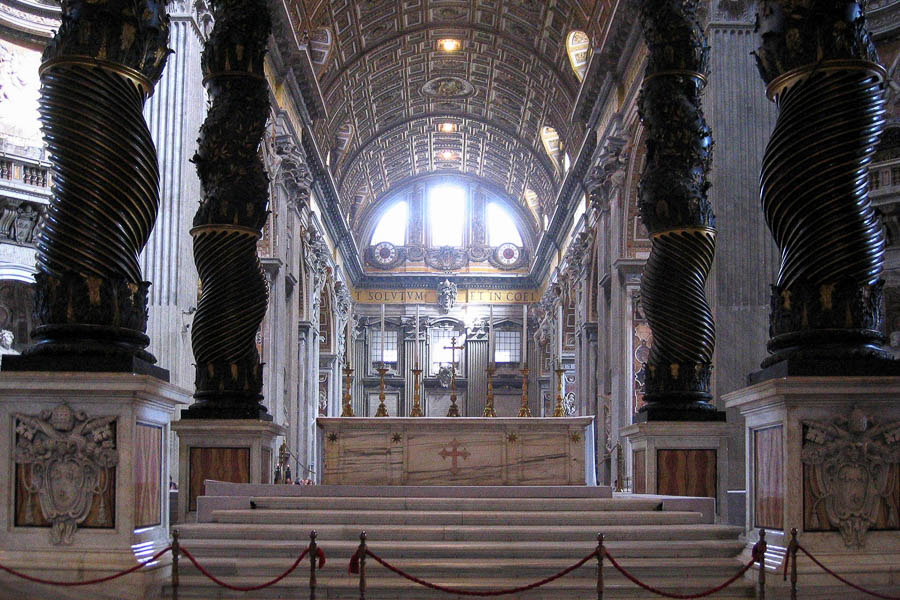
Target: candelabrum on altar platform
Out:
[489,405]
[417,407]
[559,411]
[454,409]
[523,410]
[347,410]
[382,409]
[283,468]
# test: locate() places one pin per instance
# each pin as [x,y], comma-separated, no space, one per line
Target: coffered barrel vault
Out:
[404,103]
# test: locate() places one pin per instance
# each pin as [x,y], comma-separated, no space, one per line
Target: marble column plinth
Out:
[680,458]
[85,477]
[233,450]
[823,455]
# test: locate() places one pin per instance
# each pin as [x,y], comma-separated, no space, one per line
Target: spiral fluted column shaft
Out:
[675,209]
[234,291]
[97,72]
[827,302]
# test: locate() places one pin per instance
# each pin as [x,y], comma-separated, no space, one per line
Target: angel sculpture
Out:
[854,465]
[70,457]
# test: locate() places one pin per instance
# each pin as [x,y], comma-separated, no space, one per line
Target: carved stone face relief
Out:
[850,475]
[447,293]
[69,458]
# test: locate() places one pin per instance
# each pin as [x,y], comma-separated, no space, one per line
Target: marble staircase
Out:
[483,538]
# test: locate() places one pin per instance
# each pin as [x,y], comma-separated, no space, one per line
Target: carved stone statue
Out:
[70,456]
[447,294]
[6,342]
[851,470]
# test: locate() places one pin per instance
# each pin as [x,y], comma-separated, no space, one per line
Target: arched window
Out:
[392,226]
[447,215]
[501,228]
[550,139]
[579,51]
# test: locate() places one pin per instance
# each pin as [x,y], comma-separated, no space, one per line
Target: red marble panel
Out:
[768,477]
[639,468]
[221,464]
[686,472]
[147,475]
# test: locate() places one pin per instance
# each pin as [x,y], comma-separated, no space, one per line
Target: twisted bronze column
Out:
[677,213]
[234,292]
[822,71]
[90,296]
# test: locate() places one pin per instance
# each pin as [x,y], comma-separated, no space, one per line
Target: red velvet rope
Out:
[460,592]
[89,581]
[838,577]
[659,592]
[319,554]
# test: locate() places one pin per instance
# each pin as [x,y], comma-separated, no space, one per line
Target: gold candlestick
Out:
[416,409]
[382,409]
[347,410]
[559,411]
[454,409]
[489,405]
[524,411]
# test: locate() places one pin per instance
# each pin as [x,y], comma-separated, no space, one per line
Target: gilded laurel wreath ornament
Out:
[68,456]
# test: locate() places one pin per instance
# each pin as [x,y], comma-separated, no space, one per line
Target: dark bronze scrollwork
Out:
[97,72]
[228,223]
[675,209]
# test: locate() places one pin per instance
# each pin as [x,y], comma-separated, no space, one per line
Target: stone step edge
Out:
[222,488]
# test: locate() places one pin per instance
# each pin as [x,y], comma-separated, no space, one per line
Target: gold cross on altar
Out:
[453,348]
[454,454]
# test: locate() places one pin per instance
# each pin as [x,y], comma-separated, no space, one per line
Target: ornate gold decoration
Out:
[489,404]
[416,408]
[382,409]
[454,409]
[524,411]
[347,409]
[575,437]
[560,410]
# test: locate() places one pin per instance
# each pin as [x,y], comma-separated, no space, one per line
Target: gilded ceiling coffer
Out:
[822,71]
[675,209]
[96,74]
[233,210]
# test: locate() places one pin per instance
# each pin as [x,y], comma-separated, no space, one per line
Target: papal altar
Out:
[457,451]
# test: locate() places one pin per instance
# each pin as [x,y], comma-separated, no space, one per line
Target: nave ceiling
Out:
[389,86]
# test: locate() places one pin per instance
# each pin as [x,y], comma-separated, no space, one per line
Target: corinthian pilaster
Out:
[90,294]
[677,213]
[231,215]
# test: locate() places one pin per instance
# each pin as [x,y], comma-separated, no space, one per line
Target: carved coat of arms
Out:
[69,456]
[851,473]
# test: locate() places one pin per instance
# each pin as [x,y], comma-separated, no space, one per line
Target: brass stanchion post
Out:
[761,557]
[362,565]
[347,410]
[313,551]
[382,409]
[417,406]
[524,410]
[176,550]
[489,405]
[600,551]
[792,554]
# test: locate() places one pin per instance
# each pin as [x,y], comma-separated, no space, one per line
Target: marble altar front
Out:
[457,451]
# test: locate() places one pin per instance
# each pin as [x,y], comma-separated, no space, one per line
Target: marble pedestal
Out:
[85,478]
[680,458]
[823,455]
[232,450]
[457,451]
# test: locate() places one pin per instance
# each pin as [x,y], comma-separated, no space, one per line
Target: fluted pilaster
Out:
[675,209]
[232,212]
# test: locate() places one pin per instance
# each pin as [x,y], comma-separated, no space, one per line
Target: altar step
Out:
[490,539]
